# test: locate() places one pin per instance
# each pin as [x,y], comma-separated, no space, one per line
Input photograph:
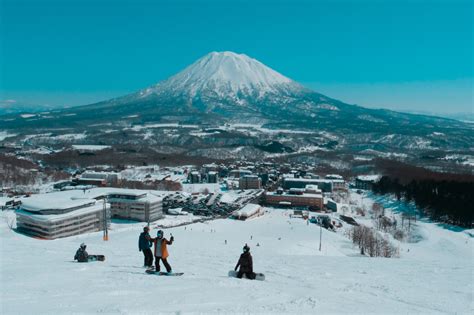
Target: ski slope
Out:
[434,276]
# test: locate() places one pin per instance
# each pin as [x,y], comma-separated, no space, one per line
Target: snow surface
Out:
[200,188]
[5,134]
[39,277]
[90,147]
[225,73]
[27,115]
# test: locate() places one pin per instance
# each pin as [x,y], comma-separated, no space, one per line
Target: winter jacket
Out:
[245,263]
[160,247]
[81,255]
[144,241]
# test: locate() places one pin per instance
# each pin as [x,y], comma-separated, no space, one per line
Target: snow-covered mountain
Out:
[232,85]
[226,74]
[225,87]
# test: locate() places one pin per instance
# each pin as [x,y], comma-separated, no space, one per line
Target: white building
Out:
[135,205]
[250,210]
[66,213]
[54,215]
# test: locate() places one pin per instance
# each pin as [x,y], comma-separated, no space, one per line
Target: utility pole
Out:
[106,232]
[320,234]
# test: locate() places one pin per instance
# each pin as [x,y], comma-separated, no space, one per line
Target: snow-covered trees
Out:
[372,242]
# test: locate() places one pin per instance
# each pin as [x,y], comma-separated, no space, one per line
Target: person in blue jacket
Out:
[144,245]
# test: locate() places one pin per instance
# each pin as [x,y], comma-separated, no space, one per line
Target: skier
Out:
[144,245]
[161,252]
[246,264]
[81,254]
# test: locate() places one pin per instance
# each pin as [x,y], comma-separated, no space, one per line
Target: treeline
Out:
[449,201]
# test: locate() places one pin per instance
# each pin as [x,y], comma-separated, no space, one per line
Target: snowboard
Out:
[260,276]
[163,273]
[96,258]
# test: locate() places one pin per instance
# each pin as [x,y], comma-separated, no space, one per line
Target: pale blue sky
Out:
[403,55]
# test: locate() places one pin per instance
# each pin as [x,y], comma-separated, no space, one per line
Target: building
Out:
[239,173]
[99,179]
[249,211]
[293,199]
[337,207]
[265,178]
[366,181]
[72,212]
[338,184]
[212,177]
[136,205]
[326,185]
[194,177]
[206,168]
[333,176]
[49,217]
[250,182]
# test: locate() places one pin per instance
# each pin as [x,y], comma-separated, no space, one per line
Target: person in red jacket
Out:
[246,264]
[161,251]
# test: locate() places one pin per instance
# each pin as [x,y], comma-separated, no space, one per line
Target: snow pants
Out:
[249,275]
[148,257]
[165,262]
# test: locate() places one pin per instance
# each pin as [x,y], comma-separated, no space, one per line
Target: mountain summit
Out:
[226,74]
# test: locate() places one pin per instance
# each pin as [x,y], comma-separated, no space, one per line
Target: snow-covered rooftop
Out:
[77,198]
[58,217]
[369,178]
[248,210]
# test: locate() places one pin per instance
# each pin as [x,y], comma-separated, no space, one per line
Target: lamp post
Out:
[106,231]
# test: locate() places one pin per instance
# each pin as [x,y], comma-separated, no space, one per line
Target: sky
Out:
[404,55]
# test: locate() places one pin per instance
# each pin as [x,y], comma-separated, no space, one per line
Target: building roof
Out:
[305,195]
[306,180]
[368,178]
[56,201]
[248,210]
[63,200]
[58,217]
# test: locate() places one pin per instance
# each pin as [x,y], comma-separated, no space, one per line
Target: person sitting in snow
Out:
[144,245]
[161,251]
[81,254]
[246,264]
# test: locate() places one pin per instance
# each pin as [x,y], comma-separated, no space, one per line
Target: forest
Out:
[442,200]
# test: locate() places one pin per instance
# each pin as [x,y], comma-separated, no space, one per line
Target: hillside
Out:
[431,276]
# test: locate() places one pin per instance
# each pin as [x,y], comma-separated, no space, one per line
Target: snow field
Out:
[39,277]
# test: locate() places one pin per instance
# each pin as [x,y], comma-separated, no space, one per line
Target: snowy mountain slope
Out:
[431,278]
[227,74]
[225,87]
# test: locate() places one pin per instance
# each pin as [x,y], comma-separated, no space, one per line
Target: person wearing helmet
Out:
[81,254]
[161,251]
[246,264]
[144,245]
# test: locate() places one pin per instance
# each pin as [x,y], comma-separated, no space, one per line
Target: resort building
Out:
[72,212]
[136,205]
[250,182]
[49,217]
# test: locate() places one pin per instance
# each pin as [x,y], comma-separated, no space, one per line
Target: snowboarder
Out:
[81,254]
[161,252]
[144,245]
[246,264]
